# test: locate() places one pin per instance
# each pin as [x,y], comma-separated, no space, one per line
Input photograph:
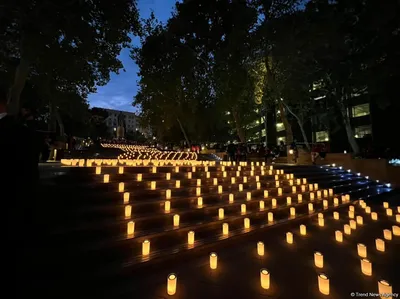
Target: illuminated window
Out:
[322,136]
[360,110]
[280,127]
[362,131]
[263,132]
[281,139]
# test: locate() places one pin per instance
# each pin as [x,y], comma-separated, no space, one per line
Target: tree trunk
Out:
[60,122]
[303,132]
[21,73]
[288,127]
[349,130]
[183,132]
[239,128]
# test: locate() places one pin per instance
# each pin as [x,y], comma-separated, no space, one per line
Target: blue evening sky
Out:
[119,92]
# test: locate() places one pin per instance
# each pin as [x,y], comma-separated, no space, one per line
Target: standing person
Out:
[231,152]
[314,154]
[295,150]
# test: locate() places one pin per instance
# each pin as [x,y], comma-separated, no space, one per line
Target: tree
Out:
[97,127]
[77,42]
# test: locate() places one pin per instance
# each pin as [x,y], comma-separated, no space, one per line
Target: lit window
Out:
[263,132]
[362,131]
[360,110]
[281,139]
[280,127]
[322,136]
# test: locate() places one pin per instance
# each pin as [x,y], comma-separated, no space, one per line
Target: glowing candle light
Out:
[262,205]
[240,187]
[310,207]
[193,168]
[264,279]
[336,201]
[213,260]
[323,284]
[208,175]
[330,192]
[374,216]
[215,181]
[248,195]
[386,205]
[389,212]
[131,228]
[353,224]
[252,173]
[303,230]
[171,284]
[339,236]
[294,189]
[320,215]
[233,180]
[221,213]
[168,194]
[360,220]
[121,170]
[277,184]
[325,193]
[273,202]
[224,174]
[362,250]
[245,179]
[321,221]
[189,175]
[279,191]
[347,229]
[276,177]
[336,215]
[265,193]
[238,173]
[351,214]
[246,223]
[153,185]
[298,182]
[176,168]
[198,191]
[257,178]
[222,168]
[299,198]
[380,245]
[303,188]
[270,172]
[219,189]
[126,197]
[343,198]
[398,209]
[291,182]
[398,218]
[258,185]
[396,230]
[318,259]
[385,287]
[270,217]
[167,206]
[225,229]
[288,200]
[106,178]
[289,238]
[200,202]
[312,196]
[243,208]
[304,181]
[177,184]
[98,170]
[146,247]
[368,210]
[231,198]
[128,211]
[318,194]
[315,186]
[387,234]
[191,237]
[198,182]
[325,203]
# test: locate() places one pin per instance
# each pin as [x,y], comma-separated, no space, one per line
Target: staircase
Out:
[89,253]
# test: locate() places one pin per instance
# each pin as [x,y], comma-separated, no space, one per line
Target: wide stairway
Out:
[105,227]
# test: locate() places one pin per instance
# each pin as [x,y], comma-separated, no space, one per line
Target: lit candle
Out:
[200,202]
[215,181]
[389,212]
[225,229]
[167,206]
[176,220]
[258,185]
[219,189]
[318,194]
[396,230]
[291,183]
[353,224]
[318,259]
[288,200]
[168,194]
[121,170]
[292,211]
[338,236]
[131,228]
[248,195]
[321,222]
[221,213]
[362,250]
[106,178]
[330,192]
[303,188]
[325,203]
[191,237]
[128,211]
[298,182]
[233,180]
[243,208]
[380,245]
[336,201]
[374,216]
[276,177]
[153,185]
[351,214]
[178,184]
[368,210]
[310,207]
[366,267]
[303,230]
[270,217]
[231,198]
[360,220]
[347,197]
[171,283]
[146,247]
[245,179]
[273,202]
[262,205]
[246,223]
[126,197]
[240,187]
[386,205]
[260,248]
[238,173]
[208,175]
[325,193]
[387,234]
[347,229]
[277,183]
[198,191]
[176,168]
[98,170]
[315,186]
[224,174]
[312,196]
[279,191]
[323,284]
[193,168]
[167,176]
[304,181]
[351,208]
[213,260]
[299,198]
[289,238]
[198,182]
[265,194]
[398,218]
[384,287]
[264,279]
[336,215]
